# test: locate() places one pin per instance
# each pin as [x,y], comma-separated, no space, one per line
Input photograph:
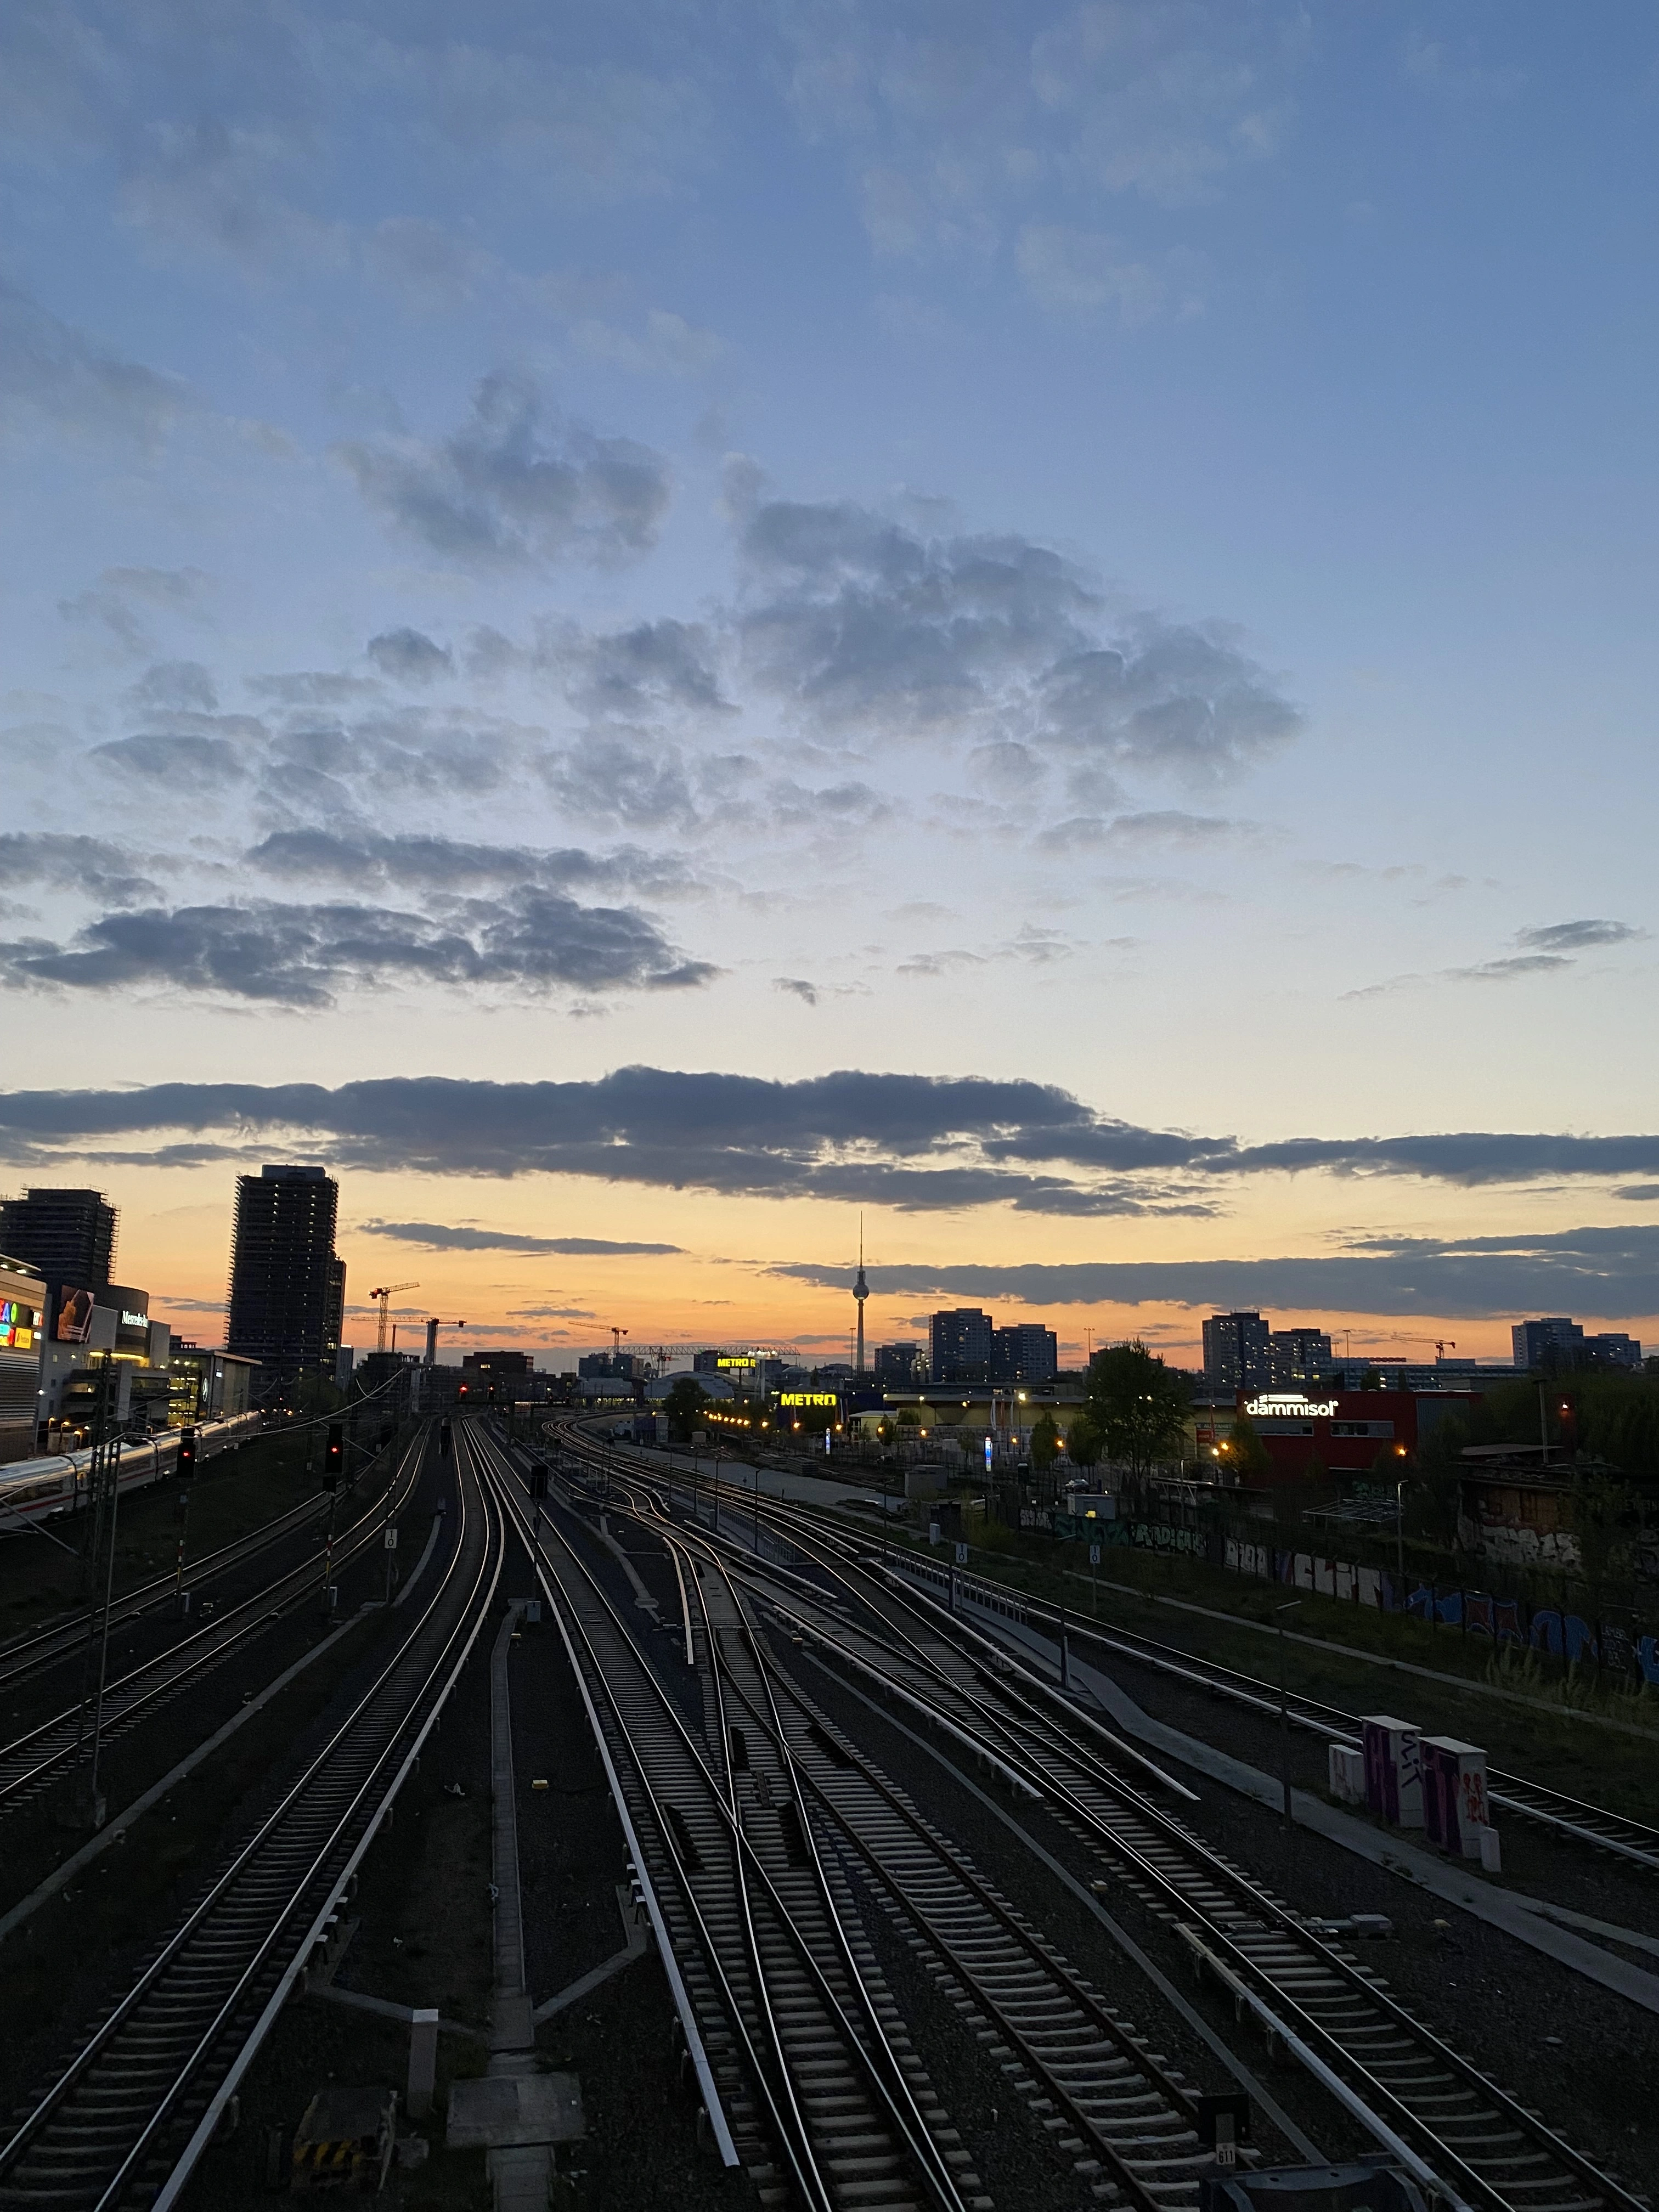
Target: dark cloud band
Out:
[435,1237]
[1599,1272]
[911,1141]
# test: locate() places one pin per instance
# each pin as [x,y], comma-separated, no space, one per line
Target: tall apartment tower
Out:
[959,1345]
[1300,1357]
[286,1288]
[68,1237]
[1237,1351]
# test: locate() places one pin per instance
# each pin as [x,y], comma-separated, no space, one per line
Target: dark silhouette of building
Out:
[501,1363]
[68,1237]
[1024,1353]
[900,1366]
[286,1285]
[1298,1358]
[1237,1351]
[959,1348]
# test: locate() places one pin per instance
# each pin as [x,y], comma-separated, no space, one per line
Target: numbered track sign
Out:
[1094,1555]
[962,1555]
[391,1539]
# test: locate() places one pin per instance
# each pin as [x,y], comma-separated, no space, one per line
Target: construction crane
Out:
[432,1327]
[617,1336]
[384,1295]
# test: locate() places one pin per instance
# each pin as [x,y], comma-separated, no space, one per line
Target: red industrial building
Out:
[1342,1432]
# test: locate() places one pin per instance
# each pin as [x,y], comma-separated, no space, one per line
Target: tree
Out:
[1084,1440]
[1242,1450]
[1045,1442]
[1138,1406]
[683,1406]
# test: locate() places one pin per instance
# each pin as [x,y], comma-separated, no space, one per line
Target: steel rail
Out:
[964,1878]
[575,1630]
[935,2176]
[163,1676]
[896,2095]
[247,1867]
[1218,1870]
[1575,1819]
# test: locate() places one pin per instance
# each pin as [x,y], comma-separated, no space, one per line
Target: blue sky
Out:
[1108,547]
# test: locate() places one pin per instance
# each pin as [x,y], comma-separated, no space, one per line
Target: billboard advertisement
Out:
[74,1316]
[18,1326]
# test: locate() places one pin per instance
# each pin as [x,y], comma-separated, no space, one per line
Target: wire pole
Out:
[103,1651]
[179,1571]
[1293,1606]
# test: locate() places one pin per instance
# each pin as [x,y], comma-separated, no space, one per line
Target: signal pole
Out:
[333,1455]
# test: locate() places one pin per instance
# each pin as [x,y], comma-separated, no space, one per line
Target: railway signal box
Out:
[187,1452]
[538,1480]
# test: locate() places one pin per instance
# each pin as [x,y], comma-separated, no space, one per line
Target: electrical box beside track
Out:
[343,2141]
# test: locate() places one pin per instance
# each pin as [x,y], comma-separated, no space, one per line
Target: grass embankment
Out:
[1536,1726]
[230,1495]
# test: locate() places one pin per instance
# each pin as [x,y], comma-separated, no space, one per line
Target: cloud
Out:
[1552,946]
[668,347]
[915,1141]
[371,861]
[625,779]
[1165,96]
[301,956]
[797,987]
[170,756]
[516,486]
[121,598]
[1577,936]
[313,686]
[1599,1271]
[954,118]
[1506,971]
[91,864]
[52,372]
[1088,273]
[172,686]
[866,626]
[218,186]
[408,656]
[437,1237]
[1158,826]
[431,269]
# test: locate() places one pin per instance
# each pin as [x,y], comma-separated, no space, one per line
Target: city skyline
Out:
[642,634]
[578,1331]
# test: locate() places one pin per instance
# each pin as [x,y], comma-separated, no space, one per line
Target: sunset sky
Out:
[649,628]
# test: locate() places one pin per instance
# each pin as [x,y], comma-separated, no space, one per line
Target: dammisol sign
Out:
[1289,1406]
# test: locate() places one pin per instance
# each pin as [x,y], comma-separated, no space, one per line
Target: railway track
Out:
[1419,2096]
[1573,1820]
[37,1759]
[1127,2126]
[123,2119]
[826,2102]
[26,1654]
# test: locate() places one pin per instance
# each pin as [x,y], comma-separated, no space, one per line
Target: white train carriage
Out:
[39,1489]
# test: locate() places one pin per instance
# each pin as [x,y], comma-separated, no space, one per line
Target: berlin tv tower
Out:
[861,1292]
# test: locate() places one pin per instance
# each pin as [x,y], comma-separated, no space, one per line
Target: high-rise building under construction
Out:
[286,1288]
